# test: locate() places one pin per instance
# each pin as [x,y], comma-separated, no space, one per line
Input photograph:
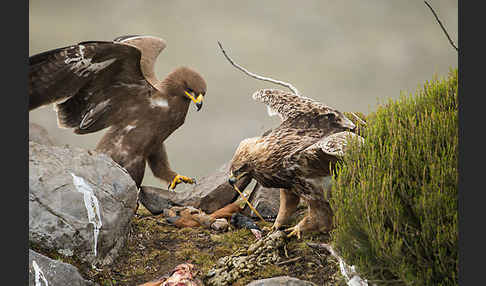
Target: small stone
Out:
[65,252]
[168,213]
[220,224]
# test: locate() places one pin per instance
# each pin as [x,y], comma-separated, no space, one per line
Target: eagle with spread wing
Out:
[296,156]
[112,84]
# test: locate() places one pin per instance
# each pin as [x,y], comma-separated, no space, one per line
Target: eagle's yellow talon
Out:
[295,231]
[180,179]
[268,228]
[271,228]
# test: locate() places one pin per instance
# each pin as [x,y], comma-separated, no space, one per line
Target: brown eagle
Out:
[296,156]
[100,84]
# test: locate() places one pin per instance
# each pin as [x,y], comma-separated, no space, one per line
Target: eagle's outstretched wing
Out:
[288,105]
[89,83]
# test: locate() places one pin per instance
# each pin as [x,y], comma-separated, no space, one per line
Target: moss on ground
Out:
[155,247]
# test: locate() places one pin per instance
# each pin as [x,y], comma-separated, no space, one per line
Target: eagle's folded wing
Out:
[286,104]
[335,144]
[88,83]
[316,157]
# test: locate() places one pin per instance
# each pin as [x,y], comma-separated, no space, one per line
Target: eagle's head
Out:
[241,163]
[188,84]
[339,121]
[333,120]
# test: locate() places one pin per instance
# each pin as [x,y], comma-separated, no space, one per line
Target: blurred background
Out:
[350,55]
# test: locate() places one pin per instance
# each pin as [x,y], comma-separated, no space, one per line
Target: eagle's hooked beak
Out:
[232,180]
[198,101]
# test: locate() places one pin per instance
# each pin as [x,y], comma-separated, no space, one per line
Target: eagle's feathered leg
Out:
[319,215]
[159,164]
[288,205]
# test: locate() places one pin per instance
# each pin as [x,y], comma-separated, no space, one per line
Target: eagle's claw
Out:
[180,179]
[294,231]
[271,228]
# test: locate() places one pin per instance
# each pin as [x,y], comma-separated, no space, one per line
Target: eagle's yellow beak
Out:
[198,101]
[232,179]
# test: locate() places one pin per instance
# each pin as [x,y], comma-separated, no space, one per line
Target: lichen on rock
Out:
[228,269]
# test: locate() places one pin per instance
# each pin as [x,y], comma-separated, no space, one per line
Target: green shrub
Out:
[395,198]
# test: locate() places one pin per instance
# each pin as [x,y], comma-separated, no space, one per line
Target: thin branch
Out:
[253,75]
[359,119]
[289,261]
[442,26]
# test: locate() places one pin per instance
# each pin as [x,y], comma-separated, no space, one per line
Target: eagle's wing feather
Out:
[87,82]
[286,104]
[328,149]
[335,144]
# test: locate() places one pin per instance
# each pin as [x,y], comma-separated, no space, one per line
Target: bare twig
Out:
[357,118]
[289,261]
[325,246]
[253,75]
[442,26]
[248,203]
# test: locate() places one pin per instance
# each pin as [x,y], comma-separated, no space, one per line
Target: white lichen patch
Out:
[83,66]
[92,206]
[38,275]
[66,252]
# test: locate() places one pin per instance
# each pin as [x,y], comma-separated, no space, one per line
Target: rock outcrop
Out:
[208,194]
[80,203]
[45,271]
[155,200]
[265,200]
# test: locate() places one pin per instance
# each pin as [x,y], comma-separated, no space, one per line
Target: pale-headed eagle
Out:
[296,156]
[100,84]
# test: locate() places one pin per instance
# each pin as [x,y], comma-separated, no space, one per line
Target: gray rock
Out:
[39,134]
[155,199]
[281,281]
[212,192]
[220,224]
[56,273]
[63,218]
[265,200]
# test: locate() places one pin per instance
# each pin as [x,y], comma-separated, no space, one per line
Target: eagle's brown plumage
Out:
[296,156]
[96,84]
